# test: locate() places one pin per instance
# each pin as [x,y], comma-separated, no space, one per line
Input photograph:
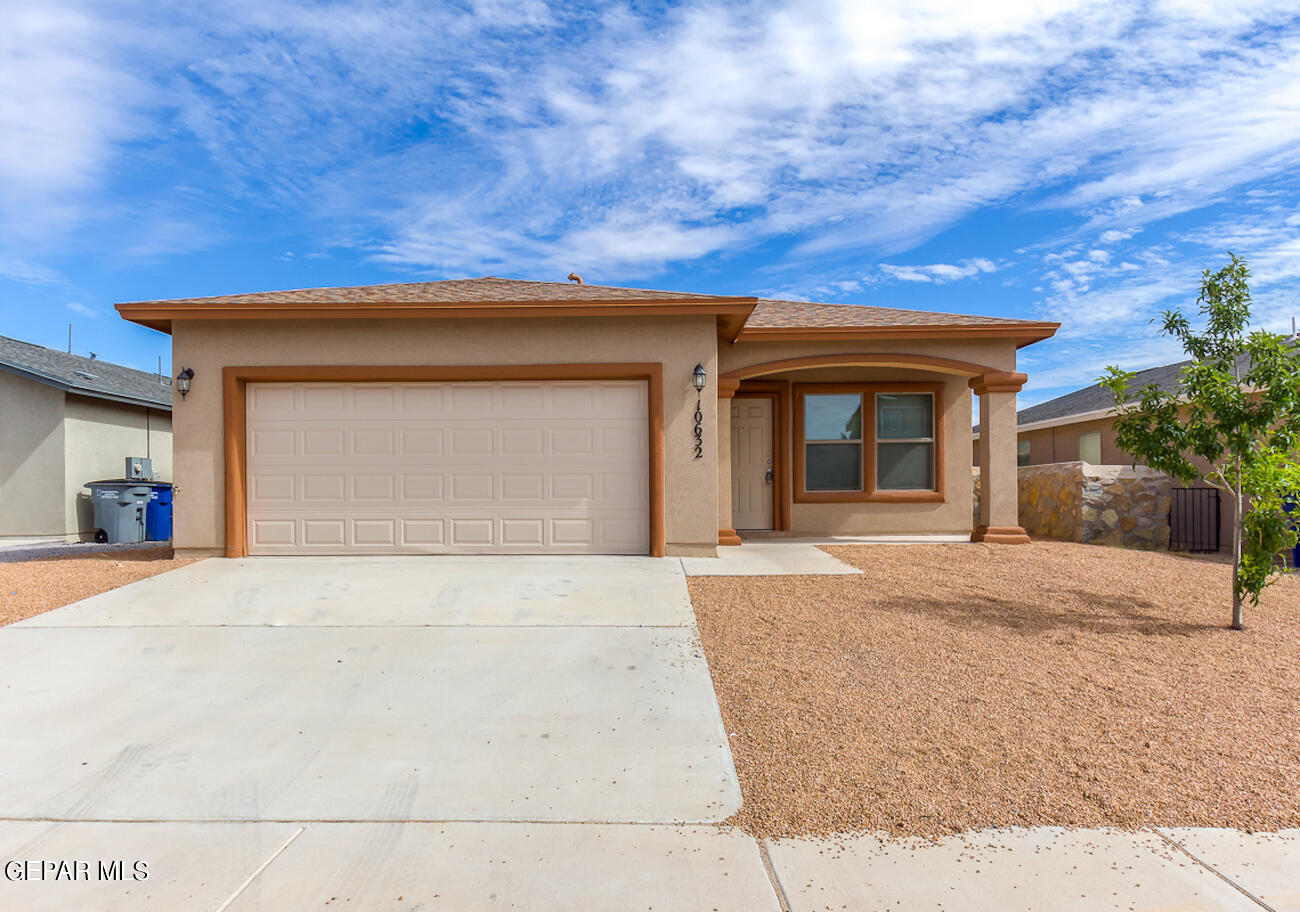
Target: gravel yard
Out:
[956,687]
[29,588]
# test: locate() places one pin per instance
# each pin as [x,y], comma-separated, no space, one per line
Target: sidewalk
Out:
[243,866]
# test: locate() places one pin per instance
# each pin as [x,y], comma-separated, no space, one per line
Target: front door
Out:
[751,463]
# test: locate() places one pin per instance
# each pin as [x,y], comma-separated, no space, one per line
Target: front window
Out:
[858,442]
[832,435]
[905,442]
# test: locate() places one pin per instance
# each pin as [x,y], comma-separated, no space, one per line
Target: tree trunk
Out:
[1237,623]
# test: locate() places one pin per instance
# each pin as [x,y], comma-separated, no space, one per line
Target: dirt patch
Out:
[29,588]
[956,687]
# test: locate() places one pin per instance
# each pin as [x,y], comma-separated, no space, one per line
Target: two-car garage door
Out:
[510,467]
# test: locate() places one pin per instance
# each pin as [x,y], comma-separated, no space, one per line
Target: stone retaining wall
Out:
[1102,504]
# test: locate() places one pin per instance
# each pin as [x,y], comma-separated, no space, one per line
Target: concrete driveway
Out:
[375,732]
[368,689]
[403,733]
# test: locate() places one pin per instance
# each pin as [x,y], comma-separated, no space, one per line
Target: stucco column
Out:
[999,519]
[726,394]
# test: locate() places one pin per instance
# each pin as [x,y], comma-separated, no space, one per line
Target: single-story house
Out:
[66,420]
[1079,427]
[498,415]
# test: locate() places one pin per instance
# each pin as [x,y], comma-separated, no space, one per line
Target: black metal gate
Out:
[1194,520]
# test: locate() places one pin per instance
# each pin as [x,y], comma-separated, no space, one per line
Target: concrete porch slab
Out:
[543,867]
[767,558]
[1000,871]
[400,590]
[1265,864]
[615,724]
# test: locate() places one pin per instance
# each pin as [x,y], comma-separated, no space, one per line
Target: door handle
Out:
[768,477]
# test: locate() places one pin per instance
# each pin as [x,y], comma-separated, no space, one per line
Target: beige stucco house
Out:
[511,416]
[66,420]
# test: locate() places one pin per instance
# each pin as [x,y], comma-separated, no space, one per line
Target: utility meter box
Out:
[140,467]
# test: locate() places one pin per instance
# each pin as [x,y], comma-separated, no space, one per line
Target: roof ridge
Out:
[65,354]
[84,376]
[357,291]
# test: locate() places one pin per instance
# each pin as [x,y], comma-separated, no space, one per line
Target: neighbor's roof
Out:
[739,318]
[1096,401]
[85,376]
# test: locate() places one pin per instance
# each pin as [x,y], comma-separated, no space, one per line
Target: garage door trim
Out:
[235,382]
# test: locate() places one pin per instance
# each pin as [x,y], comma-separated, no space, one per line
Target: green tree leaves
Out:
[1237,408]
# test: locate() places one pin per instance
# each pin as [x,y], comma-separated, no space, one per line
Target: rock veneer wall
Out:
[1102,504]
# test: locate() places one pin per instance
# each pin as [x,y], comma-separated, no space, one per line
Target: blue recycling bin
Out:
[1293,507]
[158,513]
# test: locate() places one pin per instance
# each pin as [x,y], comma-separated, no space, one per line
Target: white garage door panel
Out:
[374,468]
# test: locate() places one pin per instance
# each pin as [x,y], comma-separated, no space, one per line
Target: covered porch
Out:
[867,444]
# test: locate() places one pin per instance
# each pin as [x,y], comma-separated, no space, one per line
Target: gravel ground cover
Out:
[29,588]
[958,687]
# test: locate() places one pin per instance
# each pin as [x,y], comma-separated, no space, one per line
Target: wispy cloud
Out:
[455,137]
[26,272]
[82,310]
[67,104]
[938,272]
[820,143]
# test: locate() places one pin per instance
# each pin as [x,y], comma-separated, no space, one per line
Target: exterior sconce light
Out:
[183,381]
[698,380]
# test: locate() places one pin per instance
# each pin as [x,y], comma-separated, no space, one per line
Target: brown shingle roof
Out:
[487,290]
[772,314]
[739,317]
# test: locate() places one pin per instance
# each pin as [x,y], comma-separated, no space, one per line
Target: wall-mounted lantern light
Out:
[183,381]
[698,380]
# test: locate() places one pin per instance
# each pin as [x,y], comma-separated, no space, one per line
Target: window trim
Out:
[870,493]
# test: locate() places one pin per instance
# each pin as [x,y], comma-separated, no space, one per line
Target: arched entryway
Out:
[777,384]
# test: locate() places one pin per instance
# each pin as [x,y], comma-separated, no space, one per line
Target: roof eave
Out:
[90,393]
[1022,333]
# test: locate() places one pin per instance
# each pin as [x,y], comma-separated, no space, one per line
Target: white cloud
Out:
[82,310]
[1109,306]
[65,105]
[938,272]
[26,272]
[457,137]
[1114,235]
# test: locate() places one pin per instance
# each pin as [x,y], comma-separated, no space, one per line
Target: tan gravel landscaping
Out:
[29,588]
[957,687]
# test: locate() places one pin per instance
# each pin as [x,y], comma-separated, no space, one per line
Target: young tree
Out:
[1237,407]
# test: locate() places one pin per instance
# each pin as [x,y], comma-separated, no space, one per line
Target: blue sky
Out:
[1073,161]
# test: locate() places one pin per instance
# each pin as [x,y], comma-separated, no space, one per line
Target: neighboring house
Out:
[1079,426]
[498,415]
[66,420]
